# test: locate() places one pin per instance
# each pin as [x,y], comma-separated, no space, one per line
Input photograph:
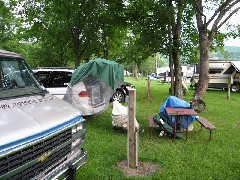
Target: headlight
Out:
[74,129]
[77,128]
[78,134]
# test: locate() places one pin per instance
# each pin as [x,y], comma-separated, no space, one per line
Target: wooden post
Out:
[148,87]
[229,87]
[132,131]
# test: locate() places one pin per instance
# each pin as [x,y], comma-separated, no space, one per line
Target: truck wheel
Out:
[235,88]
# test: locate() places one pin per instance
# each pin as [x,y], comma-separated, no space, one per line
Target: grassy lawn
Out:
[196,158]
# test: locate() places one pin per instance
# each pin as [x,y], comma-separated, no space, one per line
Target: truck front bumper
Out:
[69,167]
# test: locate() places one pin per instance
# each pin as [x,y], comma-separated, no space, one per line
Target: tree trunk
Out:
[105,53]
[171,70]
[170,44]
[135,70]
[76,46]
[202,84]
[177,75]
[177,63]
[77,57]
[176,29]
[204,45]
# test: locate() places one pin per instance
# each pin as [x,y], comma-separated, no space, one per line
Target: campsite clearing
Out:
[202,159]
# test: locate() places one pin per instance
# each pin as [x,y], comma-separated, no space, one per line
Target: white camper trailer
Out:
[220,70]
[163,73]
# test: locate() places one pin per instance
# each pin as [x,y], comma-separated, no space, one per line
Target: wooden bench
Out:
[204,123]
[152,124]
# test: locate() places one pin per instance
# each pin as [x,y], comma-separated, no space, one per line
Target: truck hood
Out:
[24,119]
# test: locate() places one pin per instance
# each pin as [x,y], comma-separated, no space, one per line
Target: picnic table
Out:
[178,114]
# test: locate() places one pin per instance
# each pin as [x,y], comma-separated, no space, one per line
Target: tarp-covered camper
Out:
[93,84]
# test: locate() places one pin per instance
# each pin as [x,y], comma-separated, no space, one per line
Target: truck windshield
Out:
[16,79]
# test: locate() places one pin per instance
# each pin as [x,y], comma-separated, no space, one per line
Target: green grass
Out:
[196,158]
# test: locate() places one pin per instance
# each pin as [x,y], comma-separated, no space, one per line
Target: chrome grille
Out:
[13,162]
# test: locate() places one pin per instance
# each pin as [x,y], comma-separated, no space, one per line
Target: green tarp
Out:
[107,71]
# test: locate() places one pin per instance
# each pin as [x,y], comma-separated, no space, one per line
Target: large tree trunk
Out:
[135,70]
[171,68]
[204,45]
[76,46]
[202,84]
[170,45]
[176,29]
[77,57]
[177,75]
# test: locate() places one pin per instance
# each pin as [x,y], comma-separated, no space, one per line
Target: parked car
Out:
[54,79]
[122,92]
[41,136]
[153,76]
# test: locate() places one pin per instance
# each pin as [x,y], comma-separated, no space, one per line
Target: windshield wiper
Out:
[42,92]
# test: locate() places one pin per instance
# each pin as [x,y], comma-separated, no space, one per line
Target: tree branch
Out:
[228,17]
[222,12]
[220,8]
[225,7]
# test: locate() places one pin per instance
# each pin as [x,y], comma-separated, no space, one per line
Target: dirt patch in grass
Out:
[144,169]
[238,125]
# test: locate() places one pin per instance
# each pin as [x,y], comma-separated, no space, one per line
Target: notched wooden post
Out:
[132,131]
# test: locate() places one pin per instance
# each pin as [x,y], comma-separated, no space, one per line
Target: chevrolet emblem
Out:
[44,156]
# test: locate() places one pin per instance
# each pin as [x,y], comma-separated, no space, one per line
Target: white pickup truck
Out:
[41,136]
